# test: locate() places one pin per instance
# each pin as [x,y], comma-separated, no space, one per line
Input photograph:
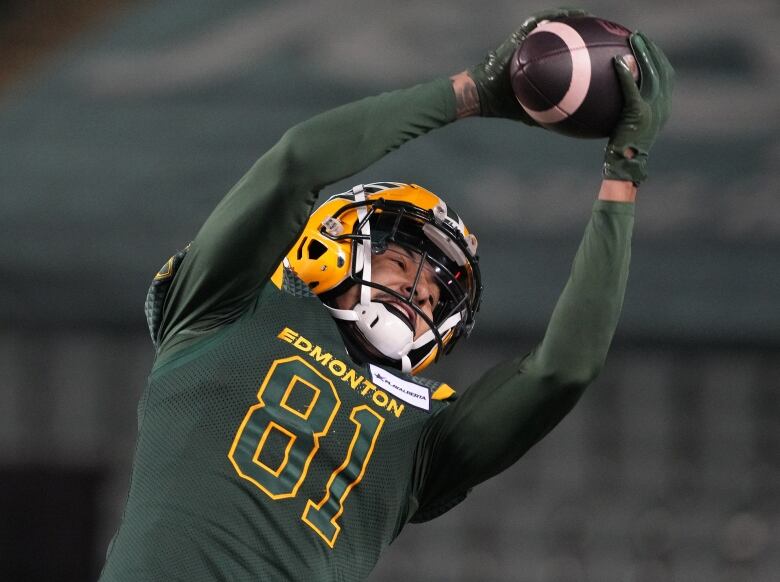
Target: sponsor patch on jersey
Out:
[411,393]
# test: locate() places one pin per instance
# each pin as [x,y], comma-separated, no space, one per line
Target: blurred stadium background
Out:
[123,122]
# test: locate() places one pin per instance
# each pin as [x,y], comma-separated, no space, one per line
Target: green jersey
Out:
[264,451]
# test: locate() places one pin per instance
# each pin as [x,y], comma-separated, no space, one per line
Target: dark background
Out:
[122,123]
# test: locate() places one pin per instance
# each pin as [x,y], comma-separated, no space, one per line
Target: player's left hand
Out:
[645,111]
[491,76]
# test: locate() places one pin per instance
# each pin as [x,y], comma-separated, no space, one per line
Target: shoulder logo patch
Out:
[411,393]
[166,271]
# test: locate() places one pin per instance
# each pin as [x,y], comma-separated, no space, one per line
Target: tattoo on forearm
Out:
[466,96]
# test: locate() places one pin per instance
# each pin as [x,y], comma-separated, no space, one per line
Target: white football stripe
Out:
[580,74]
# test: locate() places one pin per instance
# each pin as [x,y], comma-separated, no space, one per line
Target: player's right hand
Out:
[491,76]
[645,111]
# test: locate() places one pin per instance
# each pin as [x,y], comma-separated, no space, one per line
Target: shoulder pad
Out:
[444,392]
[285,279]
[155,297]
[294,285]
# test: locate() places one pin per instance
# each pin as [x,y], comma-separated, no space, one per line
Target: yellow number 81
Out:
[302,427]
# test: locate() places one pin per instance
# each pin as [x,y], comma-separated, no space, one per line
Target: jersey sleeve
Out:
[247,235]
[496,420]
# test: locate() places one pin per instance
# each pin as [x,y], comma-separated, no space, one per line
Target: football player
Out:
[285,433]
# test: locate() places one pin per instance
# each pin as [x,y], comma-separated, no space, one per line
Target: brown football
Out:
[563,75]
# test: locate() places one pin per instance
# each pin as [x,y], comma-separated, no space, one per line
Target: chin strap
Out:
[428,336]
[362,261]
[365,245]
[342,314]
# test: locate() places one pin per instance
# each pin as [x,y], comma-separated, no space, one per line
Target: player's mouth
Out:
[407,314]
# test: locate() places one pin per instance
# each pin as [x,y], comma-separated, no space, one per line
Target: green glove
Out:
[645,111]
[491,76]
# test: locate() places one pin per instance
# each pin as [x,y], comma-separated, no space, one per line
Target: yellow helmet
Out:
[334,252]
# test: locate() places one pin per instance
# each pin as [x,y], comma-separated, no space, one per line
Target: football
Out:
[563,76]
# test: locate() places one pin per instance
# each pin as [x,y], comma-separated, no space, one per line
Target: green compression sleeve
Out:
[519,401]
[253,227]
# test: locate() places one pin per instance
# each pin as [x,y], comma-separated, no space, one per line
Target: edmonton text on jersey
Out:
[341,370]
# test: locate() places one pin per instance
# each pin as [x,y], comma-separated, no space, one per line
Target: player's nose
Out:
[423,295]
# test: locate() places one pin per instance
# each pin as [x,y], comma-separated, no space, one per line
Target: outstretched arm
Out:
[252,228]
[516,403]
[519,401]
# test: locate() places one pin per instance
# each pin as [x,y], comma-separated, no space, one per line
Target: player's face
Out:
[396,268]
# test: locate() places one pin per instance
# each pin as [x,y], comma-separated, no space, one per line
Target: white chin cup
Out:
[384,330]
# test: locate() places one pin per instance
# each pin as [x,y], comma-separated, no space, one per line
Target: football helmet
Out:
[334,252]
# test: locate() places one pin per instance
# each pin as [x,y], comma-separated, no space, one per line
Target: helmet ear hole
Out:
[316,249]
